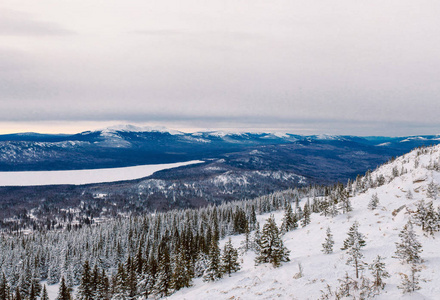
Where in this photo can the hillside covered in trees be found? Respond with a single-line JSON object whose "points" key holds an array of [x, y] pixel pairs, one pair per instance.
{"points": [[375, 234]]}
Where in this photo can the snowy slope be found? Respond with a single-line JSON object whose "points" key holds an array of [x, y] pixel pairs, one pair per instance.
{"points": [[381, 228]]}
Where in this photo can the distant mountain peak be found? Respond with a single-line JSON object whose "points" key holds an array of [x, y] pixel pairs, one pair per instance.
{"points": [[221, 133], [133, 128]]}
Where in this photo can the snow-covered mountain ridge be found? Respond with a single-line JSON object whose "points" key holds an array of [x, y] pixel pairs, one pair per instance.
{"points": [[400, 185], [129, 145]]}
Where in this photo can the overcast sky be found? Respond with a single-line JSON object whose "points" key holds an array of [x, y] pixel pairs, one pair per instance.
{"points": [[339, 67]]}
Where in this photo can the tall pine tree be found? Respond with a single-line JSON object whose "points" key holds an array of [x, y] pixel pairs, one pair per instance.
{"points": [[270, 247], [162, 285], [44, 295], [85, 289], [327, 246], [103, 286], [64, 291], [290, 220], [182, 273], [409, 248], [4, 288], [213, 271], [379, 273], [229, 259], [306, 215], [120, 290], [353, 244], [374, 202]]}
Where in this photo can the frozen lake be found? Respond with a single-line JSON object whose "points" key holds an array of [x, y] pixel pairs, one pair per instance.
{"points": [[84, 176]]}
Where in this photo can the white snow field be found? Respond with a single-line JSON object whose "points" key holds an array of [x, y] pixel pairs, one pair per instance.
{"points": [[381, 228], [84, 176]]}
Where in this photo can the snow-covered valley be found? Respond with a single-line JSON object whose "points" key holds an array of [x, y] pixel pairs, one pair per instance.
{"points": [[34, 178]]}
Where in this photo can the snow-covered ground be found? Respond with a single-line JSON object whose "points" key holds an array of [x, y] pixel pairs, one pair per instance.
{"points": [[84, 176], [381, 228]]}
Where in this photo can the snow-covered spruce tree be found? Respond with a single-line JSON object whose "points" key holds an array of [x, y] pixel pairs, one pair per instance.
{"points": [[102, 287], [270, 245], [64, 291], [420, 214], [182, 273], [432, 191], [333, 210], [316, 205], [214, 271], [201, 264], [324, 207], [306, 215], [36, 281], [18, 295], [427, 217], [53, 272], [344, 202], [354, 234], [409, 248], [409, 195], [85, 289], [410, 283], [33, 293], [245, 245], [138, 259], [355, 257], [380, 180], [353, 244], [395, 172], [131, 280], [379, 273], [229, 259], [327, 246], [240, 221], [148, 279], [94, 279], [44, 295], [119, 284], [374, 202], [298, 211], [162, 285], [290, 220], [252, 218], [358, 184], [67, 269], [25, 280], [432, 221], [256, 237], [4, 287]]}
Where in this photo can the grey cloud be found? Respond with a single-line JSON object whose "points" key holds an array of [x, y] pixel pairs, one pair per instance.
{"points": [[300, 125], [38, 111], [209, 34], [159, 32], [13, 61], [286, 65], [14, 23]]}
